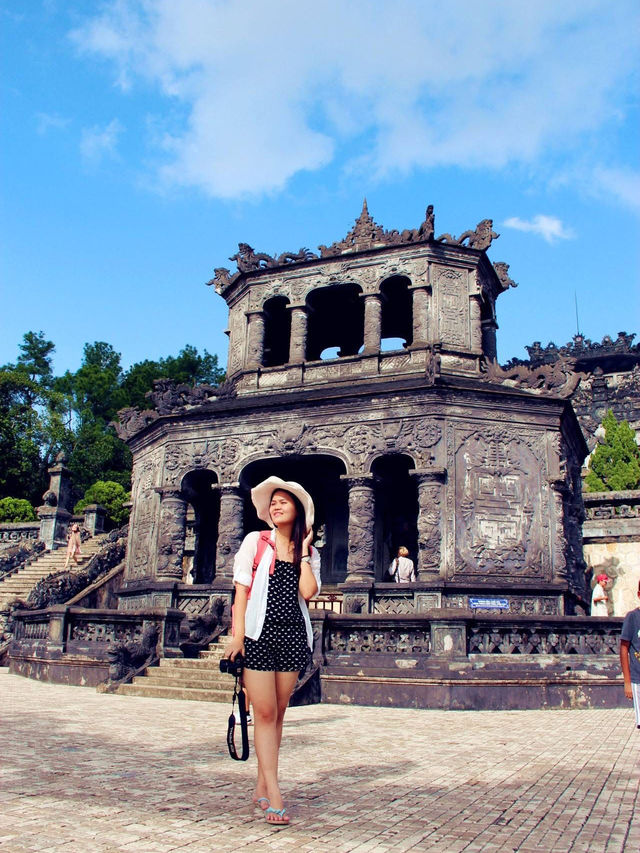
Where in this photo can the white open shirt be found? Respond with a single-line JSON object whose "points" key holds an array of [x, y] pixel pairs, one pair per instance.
{"points": [[257, 604]]}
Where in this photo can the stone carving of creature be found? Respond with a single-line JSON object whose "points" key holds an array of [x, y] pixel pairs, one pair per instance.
{"points": [[502, 271], [222, 279], [481, 238], [248, 260], [426, 230], [49, 498], [293, 257], [127, 656], [291, 439], [132, 420]]}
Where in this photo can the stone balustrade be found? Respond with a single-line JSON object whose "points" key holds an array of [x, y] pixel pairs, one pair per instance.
{"points": [[72, 645], [15, 533]]}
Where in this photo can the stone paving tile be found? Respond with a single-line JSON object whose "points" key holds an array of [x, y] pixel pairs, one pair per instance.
{"points": [[83, 771]]}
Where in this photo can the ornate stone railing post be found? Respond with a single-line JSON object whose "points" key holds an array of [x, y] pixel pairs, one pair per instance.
{"points": [[372, 323], [94, 516], [360, 567], [420, 306], [255, 339], [173, 514], [230, 531], [298, 340], [430, 501]]}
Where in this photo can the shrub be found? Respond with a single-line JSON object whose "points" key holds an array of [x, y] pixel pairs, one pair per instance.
{"points": [[16, 509], [112, 496]]}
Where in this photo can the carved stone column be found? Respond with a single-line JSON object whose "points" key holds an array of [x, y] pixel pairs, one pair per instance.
{"points": [[173, 514], [489, 347], [298, 340], [560, 490], [360, 567], [372, 323], [255, 339], [230, 531], [430, 502], [420, 307]]}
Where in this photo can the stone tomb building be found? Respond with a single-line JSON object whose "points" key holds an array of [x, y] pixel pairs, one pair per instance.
{"points": [[368, 373]]}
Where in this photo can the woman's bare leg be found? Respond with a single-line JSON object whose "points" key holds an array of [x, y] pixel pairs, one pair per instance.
{"points": [[270, 693]]}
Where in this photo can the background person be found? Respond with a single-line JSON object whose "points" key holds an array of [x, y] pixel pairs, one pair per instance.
{"points": [[401, 569], [73, 545], [272, 628], [599, 597]]}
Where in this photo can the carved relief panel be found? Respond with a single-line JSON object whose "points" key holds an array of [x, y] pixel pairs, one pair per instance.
{"points": [[237, 337], [501, 521], [451, 294], [142, 529]]}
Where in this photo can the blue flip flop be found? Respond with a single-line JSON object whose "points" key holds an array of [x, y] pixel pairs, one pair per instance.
{"points": [[278, 824]]}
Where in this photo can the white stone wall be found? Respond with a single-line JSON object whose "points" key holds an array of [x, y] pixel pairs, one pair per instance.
{"points": [[623, 559]]}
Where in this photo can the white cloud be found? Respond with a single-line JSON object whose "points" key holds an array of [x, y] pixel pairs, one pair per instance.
{"points": [[275, 88], [98, 143], [620, 183], [550, 228], [47, 122]]}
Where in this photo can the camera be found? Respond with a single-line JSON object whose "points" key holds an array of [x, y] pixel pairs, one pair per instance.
{"points": [[232, 667]]}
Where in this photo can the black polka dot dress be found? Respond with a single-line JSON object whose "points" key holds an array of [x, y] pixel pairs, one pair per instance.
{"points": [[282, 644]]}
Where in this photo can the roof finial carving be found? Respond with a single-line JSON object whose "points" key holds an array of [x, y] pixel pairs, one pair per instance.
{"points": [[366, 234]]}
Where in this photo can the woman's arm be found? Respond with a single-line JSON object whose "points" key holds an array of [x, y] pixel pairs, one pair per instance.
{"points": [[308, 585], [239, 610]]}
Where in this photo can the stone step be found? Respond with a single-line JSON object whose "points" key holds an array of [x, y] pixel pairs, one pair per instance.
{"points": [[213, 654], [161, 692], [208, 665], [187, 678]]}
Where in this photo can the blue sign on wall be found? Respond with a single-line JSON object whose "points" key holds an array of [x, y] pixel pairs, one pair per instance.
{"points": [[489, 603]]}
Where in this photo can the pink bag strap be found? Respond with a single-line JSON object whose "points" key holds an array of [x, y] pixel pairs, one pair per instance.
{"points": [[263, 540]]}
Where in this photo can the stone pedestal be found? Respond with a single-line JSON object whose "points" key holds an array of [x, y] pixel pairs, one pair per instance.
{"points": [[54, 522], [94, 516]]}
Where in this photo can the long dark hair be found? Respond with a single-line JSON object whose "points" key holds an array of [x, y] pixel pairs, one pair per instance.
{"points": [[299, 529]]}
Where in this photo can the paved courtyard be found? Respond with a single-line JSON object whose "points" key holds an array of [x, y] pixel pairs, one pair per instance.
{"points": [[82, 771]]}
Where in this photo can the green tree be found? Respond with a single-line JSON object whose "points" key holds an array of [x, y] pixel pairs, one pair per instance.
{"points": [[112, 496], [31, 429], [16, 509], [614, 465]]}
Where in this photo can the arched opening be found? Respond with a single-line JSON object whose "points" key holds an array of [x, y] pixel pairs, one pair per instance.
{"points": [[320, 476], [336, 319], [396, 510], [277, 331], [397, 313], [203, 512]]}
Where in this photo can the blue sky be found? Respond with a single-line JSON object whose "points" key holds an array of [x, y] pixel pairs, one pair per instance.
{"points": [[143, 139]]}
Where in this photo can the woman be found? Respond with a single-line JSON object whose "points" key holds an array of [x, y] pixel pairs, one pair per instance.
{"points": [[272, 628], [401, 569], [73, 545]]}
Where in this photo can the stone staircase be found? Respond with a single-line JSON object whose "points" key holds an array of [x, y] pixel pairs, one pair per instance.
{"points": [[20, 583], [185, 678]]}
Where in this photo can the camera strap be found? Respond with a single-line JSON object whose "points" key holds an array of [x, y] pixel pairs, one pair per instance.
{"points": [[238, 694]]}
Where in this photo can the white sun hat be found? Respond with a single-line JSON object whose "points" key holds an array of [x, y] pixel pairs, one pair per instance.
{"points": [[261, 497]]}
